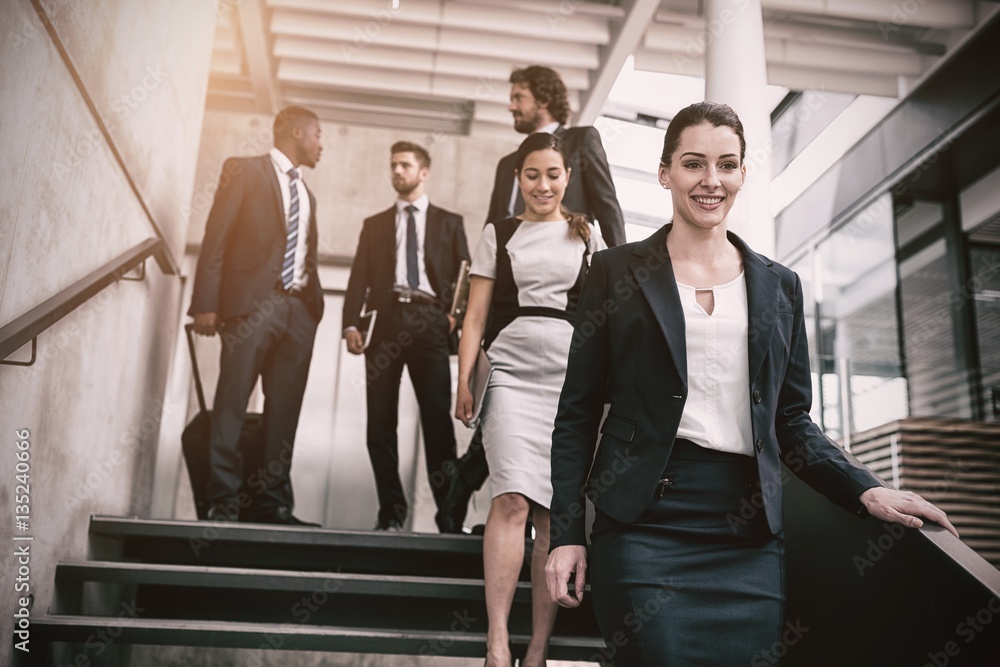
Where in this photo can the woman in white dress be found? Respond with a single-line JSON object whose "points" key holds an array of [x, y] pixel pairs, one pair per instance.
{"points": [[529, 270]]}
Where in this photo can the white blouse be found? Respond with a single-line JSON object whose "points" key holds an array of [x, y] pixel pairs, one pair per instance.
{"points": [[717, 412]]}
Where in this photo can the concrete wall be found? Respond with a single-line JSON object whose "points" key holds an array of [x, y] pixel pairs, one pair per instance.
{"points": [[93, 402]]}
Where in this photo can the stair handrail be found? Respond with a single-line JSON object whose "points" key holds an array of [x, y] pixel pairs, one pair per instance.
{"points": [[26, 328]]}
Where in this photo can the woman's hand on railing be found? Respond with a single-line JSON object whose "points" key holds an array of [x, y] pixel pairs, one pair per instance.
{"points": [[206, 324], [903, 507]]}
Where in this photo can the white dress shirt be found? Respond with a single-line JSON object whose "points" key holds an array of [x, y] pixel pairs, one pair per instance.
{"points": [[717, 412], [420, 217], [281, 165]]}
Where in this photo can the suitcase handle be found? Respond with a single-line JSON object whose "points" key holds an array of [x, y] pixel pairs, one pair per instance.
{"points": [[188, 329]]}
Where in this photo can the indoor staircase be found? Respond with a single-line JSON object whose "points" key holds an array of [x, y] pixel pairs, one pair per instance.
{"points": [[859, 593], [255, 586]]}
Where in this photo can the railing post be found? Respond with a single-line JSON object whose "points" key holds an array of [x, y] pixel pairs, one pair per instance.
{"points": [[846, 418]]}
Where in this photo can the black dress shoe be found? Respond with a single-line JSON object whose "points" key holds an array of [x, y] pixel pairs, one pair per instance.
{"points": [[456, 503], [224, 512], [281, 516], [390, 526]]}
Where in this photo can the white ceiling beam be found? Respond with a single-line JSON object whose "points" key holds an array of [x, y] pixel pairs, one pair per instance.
{"points": [[489, 112], [579, 7], [350, 37], [397, 82], [302, 48], [668, 33], [253, 28], [852, 83], [486, 130], [683, 44], [948, 14], [789, 76], [825, 57], [627, 35], [558, 25]]}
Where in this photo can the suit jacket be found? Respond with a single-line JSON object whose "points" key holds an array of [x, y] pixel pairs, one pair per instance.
{"points": [[373, 272], [244, 246], [629, 338], [590, 190]]}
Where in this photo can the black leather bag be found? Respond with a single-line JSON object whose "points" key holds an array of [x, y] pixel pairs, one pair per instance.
{"points": [[195, 444]]}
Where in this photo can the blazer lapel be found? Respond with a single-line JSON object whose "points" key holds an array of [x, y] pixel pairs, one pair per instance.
{"points": [[387, 229], [432, 234], [763, 292], [275, 189], [654, 274]]}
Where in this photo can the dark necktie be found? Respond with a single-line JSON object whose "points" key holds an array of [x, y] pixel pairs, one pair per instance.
{"points": [[412, 270], [292, 236]]}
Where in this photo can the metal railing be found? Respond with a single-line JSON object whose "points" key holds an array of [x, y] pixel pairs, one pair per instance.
{"points": [[26, 328]]}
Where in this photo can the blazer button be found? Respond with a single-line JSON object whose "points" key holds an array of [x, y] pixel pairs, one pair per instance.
{"points": [[756, 396], [759, 444]]}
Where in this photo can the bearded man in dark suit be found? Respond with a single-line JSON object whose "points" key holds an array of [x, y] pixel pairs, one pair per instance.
{"points": [[256, 284], [407, 260]]}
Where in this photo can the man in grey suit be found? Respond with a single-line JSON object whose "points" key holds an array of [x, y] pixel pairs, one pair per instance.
{"points": [[256, 285], [538, 103]]}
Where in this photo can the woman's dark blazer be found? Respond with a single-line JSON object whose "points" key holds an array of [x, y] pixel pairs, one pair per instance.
{"points": [[629, 340]]}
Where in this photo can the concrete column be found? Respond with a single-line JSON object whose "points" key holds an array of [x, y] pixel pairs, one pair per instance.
{"points": [[736, 74]]}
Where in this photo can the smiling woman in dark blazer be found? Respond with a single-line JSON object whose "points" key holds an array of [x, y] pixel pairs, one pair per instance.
{"points": [[701, 344]]}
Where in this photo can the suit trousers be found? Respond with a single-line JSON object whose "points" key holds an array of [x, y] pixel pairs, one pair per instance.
{"points": [[274, 342], [417, 338]]}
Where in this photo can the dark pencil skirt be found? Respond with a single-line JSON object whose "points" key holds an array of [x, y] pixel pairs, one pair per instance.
{"points": [[698, 579]]}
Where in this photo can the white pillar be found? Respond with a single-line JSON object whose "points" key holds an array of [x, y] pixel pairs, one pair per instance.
{"points": [[736, 74]]}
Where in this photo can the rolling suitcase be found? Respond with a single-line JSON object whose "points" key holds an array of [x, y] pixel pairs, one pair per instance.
{"points": [[195, 443]]}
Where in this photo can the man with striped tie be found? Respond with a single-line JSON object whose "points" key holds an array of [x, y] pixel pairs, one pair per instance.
{"points": [[256, 284], [405, 267]]}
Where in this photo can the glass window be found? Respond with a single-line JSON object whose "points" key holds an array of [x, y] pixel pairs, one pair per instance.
{"points": [[858, 341], [985, 292], [932, 304]]}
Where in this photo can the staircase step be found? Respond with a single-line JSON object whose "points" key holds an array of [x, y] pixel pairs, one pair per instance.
{"points": [[293, 636], [277, 580], [295, 548]]}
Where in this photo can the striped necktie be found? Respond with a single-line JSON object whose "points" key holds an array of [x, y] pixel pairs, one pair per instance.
{"points": [[292, 237]]}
